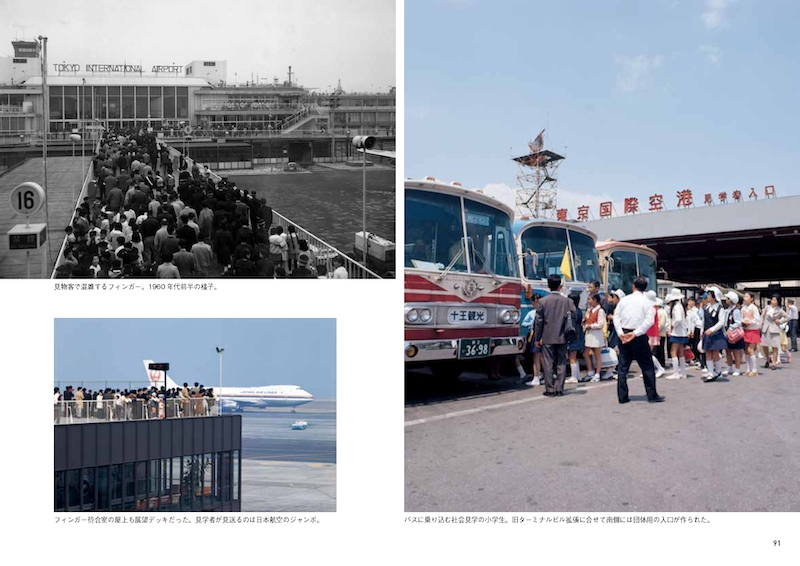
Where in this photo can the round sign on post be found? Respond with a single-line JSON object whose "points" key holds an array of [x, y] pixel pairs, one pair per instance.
{"points": [[27, 198]]}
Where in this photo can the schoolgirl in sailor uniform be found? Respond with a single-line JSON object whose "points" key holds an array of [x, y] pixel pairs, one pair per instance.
{"points": [[714, 340]]}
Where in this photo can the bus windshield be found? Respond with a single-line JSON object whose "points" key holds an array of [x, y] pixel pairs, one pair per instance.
{"points": [[585, 253], [545, 249], [434, 231], [491, 241], [622, 271], [647, 268]]}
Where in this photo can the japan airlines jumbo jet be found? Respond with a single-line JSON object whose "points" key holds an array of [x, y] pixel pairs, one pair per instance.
{"points": [[236, 398]]}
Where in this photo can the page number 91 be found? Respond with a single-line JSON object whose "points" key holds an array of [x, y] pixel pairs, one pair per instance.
{"points": [[776, 543]]}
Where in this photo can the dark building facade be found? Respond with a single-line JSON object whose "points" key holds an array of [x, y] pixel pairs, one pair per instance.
{"points": [[189, 464]]}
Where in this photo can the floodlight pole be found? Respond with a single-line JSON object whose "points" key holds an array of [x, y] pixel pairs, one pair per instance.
{"points": [[219, 393]]}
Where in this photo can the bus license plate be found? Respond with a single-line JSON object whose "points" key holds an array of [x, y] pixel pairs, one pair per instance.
{"points": [[473, 347]]}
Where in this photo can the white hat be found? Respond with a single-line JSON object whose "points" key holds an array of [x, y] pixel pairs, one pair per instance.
{"points": [[659, 303], [619, 293], [717, 293], [674, 295], [651, 296], [734, 298]]}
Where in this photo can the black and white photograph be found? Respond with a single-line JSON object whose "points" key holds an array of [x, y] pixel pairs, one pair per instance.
{"points": [[254, 140]]}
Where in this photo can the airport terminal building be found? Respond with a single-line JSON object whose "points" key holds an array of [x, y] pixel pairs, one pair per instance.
{"points": [[191, 99], [160, 464]]}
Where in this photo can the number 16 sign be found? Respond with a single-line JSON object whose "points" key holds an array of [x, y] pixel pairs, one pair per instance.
{"points": [[27, 198]]}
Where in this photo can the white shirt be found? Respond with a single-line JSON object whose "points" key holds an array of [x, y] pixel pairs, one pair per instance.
{"points": [[751, 312], [340, 272], [634, 311], [680, 324], [792, 312]]}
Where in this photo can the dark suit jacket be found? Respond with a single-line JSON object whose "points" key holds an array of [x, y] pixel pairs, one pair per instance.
{"points": [[550, 315]]}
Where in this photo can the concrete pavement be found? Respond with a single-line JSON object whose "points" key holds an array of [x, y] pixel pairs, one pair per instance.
{"points": [[494, 446]]}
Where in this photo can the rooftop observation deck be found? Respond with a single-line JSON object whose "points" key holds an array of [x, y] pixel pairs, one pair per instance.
{"points": [[115, 410]]}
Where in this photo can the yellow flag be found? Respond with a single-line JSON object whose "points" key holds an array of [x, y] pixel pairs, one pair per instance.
{"points": [[565, 265]]}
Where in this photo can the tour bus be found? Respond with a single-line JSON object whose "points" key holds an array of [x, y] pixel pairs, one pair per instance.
{"points": [[622, 262], [462, 287], [552, 247]]}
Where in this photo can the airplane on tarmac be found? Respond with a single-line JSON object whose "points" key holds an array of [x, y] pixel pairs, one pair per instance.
{"points": [[236, 398]]}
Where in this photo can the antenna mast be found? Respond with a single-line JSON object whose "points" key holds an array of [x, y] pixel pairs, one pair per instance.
{"points": [[537, 193]]}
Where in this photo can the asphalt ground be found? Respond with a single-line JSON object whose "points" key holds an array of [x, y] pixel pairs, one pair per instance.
{"points": [[267, 434], [285, 470], [328, 203], [481, 446]]}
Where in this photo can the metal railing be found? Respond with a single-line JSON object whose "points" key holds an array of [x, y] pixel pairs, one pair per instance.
{"points": [[248, 133], [125, 409], [323, 251]]}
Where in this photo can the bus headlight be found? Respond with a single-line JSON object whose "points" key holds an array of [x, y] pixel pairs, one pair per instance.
{"points": [[418, 315], [411, 351], [509, 316]]}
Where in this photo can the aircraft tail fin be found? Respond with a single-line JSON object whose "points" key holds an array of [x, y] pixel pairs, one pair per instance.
{"points": [[156, 377]]}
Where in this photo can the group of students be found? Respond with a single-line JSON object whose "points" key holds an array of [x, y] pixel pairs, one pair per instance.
{"points": [[692, 332], [140, 404], [730, 324]]}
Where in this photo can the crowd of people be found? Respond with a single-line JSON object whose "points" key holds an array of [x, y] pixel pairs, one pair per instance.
{"points": [[150, 212], [140, 404], [720, 334]]}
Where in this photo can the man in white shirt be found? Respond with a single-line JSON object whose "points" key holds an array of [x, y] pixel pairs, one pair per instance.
{"points": [[793, 323], [632, 317]]}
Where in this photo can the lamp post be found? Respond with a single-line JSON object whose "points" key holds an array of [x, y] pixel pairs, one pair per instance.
{"points": [[364, 143], [219, 394], [45, 130]]}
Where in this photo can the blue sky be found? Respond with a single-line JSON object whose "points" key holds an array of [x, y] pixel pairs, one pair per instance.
{"points": [[257, 351], [641, 97]]}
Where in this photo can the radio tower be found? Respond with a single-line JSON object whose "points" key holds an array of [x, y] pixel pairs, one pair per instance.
{"points": [[537, 194]]}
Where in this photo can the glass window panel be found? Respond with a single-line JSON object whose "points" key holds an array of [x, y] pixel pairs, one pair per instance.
{"points": [[114, 108], [127, 107], [182, 91], [584, 253], [156, 101], [543, 248], [61, 491], [127, 91], [183, 107], [102, 489], [491, 241], [129, 481], [622, 270], [176, 483], [70, 103], [434, 230], [647, 268], [74, 489], [169, 104], [88, 488], [116, 487], [141, 105], [113, 91]]}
